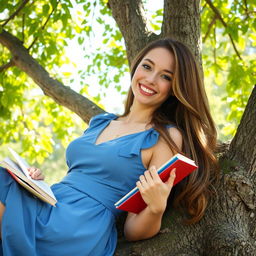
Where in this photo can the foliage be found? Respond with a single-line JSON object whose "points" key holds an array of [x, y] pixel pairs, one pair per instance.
{"points": [[228, 34], [107, 57], [27, 116]]}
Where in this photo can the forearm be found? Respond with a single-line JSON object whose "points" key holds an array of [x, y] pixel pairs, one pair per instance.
{"points": [[143, 225], [155, 193]]}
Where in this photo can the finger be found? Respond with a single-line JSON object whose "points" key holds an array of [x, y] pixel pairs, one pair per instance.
{"points": [[143, 181], [139, 186], [30, 169], [154, 173], [149, 178], [39, 174], [40, 177], [36, 174], [33, 173], [172, 177]]}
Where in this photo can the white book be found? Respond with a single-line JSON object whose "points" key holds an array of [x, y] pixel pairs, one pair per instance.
{"points": [[18, 169]]}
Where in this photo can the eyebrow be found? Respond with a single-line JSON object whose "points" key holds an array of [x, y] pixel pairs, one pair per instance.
{"points": [[152, 62]]}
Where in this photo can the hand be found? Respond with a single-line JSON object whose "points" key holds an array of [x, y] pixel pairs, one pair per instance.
{"points": [[35, 173], [154, 191]]}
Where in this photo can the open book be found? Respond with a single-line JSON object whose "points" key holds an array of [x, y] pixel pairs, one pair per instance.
{"points": [[133, 202], [18, 169]]}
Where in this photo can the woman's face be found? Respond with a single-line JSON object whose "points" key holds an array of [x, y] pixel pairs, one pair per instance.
{"points": [[152, 79]]}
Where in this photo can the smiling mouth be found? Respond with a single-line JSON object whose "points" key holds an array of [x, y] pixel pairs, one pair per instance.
{"points": [[146, 91]]}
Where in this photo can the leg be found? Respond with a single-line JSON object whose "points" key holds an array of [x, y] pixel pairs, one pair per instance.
{"points": [[2, 208]]}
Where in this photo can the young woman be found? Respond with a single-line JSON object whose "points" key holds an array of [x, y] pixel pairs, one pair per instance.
{"points": [[166, 112]]}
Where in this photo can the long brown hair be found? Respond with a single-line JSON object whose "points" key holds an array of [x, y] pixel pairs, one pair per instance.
{"points": [[188, 109]]}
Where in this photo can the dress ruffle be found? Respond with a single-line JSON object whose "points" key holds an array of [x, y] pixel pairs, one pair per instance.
{"points": [[100, 119], [133, 147]]}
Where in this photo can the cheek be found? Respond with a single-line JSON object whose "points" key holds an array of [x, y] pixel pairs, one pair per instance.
{"points": [[138, 74], [166, 89], [133, 84]]}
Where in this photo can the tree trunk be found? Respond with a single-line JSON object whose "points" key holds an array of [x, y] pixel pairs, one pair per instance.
{"points": [[131, 20], [182, 21], [243, 146]]}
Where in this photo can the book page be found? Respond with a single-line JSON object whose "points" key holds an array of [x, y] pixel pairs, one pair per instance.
{"points": [[21, 162], [185, 159], [14, 166], [44, 186]]}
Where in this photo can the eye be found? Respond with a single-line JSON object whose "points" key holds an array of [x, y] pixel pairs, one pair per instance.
{"points": [[168, 78], [146, 66]]}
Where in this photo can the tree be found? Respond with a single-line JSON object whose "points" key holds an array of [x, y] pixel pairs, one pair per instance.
{"points": [[229, 226]]}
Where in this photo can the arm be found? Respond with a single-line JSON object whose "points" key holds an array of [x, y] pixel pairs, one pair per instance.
{"points": [[154, 192]]}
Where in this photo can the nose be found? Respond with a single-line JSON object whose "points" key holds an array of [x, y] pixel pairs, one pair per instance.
{"points": [[151, 77]]}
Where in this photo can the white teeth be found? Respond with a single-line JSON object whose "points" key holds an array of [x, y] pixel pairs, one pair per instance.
{"points": [[146, 89]]}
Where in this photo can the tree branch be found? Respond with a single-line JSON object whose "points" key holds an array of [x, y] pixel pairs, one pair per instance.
{"points": [[16, 12], [61, 94], [210, 27], [23, 27], [217, 13], [131, 20], [214, 49], [7, 65]]}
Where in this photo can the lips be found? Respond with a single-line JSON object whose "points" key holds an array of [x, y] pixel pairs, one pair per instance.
{"points": [[145, 90]]}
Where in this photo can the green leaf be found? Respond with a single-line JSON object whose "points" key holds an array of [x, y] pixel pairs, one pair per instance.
{"points": [[46, 9], [80, 40]]}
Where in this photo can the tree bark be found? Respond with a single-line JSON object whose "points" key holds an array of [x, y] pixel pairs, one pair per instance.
{"points": [[132, 22], [182, 21], [243, 146]]}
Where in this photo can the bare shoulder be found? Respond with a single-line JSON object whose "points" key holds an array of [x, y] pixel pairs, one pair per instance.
{"points": [[176, 135], [162, 152]]}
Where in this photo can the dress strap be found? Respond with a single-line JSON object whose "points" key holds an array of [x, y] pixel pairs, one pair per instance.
{"points": [[146, 140], [100, 119]]}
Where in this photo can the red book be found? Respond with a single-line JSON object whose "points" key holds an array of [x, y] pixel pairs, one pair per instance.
{"points": [[133, 202]]}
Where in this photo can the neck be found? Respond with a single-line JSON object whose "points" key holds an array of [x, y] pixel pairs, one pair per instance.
{"points": [[139, 114]]}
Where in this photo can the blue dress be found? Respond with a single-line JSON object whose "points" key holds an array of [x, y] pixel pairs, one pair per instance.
{"points": [[83, 221]]}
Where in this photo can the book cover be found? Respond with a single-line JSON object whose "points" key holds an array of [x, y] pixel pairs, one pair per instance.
{"points": [[133, 202], [19, 171]]}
